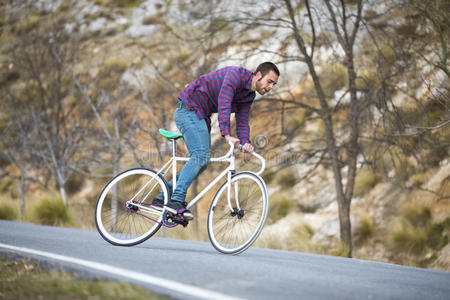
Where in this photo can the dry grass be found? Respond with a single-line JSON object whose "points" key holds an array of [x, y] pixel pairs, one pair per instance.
{"points": [[365, 230], [8, 211], [366, 180], [407, 239], [26, 280], [416, 238], [339, 249], [51, 211], [287, 179], [291, 234], [280, 207]]}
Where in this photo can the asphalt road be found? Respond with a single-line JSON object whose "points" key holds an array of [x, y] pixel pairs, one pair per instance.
{"points": [[194, 270]]}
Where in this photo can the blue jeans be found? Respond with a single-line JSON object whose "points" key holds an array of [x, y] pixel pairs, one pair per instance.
{"points": [[198, 142]]}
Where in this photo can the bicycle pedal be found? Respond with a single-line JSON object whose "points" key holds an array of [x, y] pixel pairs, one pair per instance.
{"points": [[180, 220], [168, 219]]}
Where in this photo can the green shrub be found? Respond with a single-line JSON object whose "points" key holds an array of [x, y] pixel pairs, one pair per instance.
{"points": [[28, 24], [268, 175], [417, 180], [279, 208], [404, 169], [127, 3], [367, 79], [7, 212], [334, 78], [8, 76], [110, 74], [51, 212], [408, 239], [6, 185], [182, 56], [339, 249], [114, 66], [396, 160], [416, 215], [365, 230], [101, 2], [284, 207], [74, 184], [300, 239], [287, 180], [438, 234], [303, 230], [365, 181], [416, 232]]}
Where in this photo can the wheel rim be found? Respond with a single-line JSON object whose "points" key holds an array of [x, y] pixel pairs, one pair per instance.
{"points": [[132, 220], [232, 232]]}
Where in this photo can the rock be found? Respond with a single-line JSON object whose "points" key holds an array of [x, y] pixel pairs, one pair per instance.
{"points": [[137, 31], [97, 24]]}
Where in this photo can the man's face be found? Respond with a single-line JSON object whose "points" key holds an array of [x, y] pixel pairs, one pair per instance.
{"points": [[265, 83]]}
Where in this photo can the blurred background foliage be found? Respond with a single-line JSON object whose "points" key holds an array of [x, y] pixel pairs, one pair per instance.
{"points": [[85, 86]]}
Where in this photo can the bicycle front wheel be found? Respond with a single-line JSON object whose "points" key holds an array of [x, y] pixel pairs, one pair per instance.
{"points": [[124, 215], [235, 221]]}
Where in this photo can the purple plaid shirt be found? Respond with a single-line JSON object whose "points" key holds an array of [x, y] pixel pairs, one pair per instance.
{"points": [[224, 91]]}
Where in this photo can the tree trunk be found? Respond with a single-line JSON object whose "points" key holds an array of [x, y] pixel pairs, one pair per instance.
{"points": [[115, 192], [345, 226], [22, 193], [325, 115], [62, 191], [352, 152]]}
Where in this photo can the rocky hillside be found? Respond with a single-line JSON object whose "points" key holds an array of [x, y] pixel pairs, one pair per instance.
{"points": [[142, 53]]}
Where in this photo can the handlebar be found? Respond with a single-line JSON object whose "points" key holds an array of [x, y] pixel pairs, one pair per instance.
{"points": [[263, 161]]}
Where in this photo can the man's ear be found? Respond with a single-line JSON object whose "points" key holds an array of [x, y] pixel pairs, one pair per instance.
{"points": [[258, 75]]}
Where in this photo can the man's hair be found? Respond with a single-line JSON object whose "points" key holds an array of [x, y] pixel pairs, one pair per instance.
{"points": [[266, 67]]}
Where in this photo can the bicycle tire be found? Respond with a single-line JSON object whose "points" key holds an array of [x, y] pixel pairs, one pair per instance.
{"points": [[126, 224], [228, 232]]}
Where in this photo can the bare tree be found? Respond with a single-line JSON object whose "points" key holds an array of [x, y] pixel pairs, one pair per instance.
{"points": [[16, 142], [59, 129], [344, 27], [411, 93], [346, 20]]}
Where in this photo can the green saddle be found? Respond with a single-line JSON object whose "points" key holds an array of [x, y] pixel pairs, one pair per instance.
{"points": [[170, 135]]}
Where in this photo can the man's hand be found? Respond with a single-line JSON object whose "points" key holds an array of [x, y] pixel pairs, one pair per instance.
{"points": [[233, 140], [247, 148]]}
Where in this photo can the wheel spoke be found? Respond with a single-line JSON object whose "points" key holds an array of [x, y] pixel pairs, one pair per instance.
{"points": [[120, 224], [232, 234]]}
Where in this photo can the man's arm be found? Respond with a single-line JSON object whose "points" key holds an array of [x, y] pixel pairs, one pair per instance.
{"points": [[226, 94], [242, 126]]}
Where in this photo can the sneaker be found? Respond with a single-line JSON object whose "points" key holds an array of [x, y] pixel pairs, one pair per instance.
{"points": [[178, 207], [158, 202]]}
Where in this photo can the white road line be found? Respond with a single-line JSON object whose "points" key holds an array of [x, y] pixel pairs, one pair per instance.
{"points": [[165, 283]]}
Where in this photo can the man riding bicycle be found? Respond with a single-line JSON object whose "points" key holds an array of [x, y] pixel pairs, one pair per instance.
{"points": [[224, 91]]}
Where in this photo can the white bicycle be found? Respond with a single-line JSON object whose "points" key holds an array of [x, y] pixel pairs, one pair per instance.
{"points": [[125, 215]]}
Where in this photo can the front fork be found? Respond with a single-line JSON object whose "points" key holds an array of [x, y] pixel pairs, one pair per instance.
{"points": [[237, 208]]}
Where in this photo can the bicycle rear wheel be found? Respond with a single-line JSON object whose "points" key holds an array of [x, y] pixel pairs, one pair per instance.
{"points": [[124, 215], [232, 229]]}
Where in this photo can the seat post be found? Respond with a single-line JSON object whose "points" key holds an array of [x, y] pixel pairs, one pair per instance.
{"points": [[174, 147], [174, 165]]}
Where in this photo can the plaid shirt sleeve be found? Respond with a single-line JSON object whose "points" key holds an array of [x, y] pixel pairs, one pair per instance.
{"points": [[242, 127], [230, 82]]}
